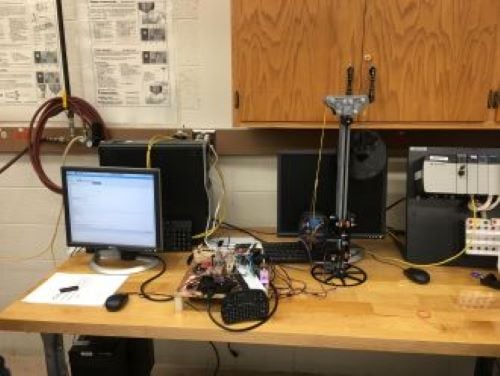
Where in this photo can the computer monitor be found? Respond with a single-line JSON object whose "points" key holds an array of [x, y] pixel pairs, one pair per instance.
{"points": [[366, 199], [113, 208]]}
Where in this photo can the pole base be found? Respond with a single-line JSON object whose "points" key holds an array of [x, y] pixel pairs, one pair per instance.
{"points": [[330, 275]]}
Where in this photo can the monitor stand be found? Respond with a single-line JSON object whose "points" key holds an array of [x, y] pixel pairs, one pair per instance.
{"points": [[115, 262]]}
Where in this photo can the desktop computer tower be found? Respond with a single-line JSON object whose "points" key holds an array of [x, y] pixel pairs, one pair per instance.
{"points": [[111, 356], [184, 178]]}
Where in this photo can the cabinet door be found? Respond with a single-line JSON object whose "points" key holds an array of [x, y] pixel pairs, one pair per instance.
{"points": [[289, 54], [496, 82], [435, 59]]}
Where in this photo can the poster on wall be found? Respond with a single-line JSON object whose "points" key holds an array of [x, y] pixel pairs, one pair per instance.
{"points": [[30, 60], [129, 51]]}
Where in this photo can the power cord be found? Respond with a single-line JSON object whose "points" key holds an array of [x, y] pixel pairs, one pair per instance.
{"points": [[217, 358], [155, 297], [395, 203], [14, 160], [247, 328], [232, 351]]}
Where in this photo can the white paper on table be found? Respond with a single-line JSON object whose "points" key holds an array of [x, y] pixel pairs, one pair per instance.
{"points": [[93, 289]]}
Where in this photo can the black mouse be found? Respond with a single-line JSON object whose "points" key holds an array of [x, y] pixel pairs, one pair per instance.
{"points": [[416, 275], [116, 302]]}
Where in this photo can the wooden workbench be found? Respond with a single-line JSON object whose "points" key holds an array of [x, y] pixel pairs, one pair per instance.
{"points": [[452, 315]]}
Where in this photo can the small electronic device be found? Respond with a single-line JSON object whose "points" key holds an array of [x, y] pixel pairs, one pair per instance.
{"points": [[184, 180], [116, 302], [245, 305], [116, 211]]}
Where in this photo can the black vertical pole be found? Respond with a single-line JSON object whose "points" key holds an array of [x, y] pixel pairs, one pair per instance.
{"points": [[64, 57]]}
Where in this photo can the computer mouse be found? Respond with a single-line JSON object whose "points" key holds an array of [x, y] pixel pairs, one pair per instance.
{"points": [[416, 275], [116, 302]]}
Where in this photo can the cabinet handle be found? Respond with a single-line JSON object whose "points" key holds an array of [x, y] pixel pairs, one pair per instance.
{"points": [[493, 98], [349, 80], [372, 73], [236, 99]]}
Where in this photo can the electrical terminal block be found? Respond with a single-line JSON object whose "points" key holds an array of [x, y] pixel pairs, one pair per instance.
{"points": [[482, 236]]}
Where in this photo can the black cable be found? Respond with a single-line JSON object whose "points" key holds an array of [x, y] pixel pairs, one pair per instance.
{"points": [[376, 258], [396, 240], [396, 231], [232, 351], [234, 227], [247, 328], [154, 297], [14, 160], [217, 358], [395, 203]]}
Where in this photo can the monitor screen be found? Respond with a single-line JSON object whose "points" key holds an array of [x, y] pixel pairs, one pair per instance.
{"points": [[296, 175], [112, 207]]}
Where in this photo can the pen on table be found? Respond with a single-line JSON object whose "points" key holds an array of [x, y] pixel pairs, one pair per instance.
{"points": [[68, 289]]}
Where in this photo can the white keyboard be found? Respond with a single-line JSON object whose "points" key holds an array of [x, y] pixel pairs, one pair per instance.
{"points": [[482, 236]]}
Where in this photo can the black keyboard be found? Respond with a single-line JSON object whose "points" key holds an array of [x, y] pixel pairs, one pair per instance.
{"points": [[245, 305], [286, 252]]}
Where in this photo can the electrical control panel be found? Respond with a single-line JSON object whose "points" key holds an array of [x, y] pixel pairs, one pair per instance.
{"points": [[461, 174], [482, 236], [440, 182]]}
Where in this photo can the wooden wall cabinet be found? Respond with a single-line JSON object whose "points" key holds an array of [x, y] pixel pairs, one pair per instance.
{"points": [[435, 60], [288, 53]]}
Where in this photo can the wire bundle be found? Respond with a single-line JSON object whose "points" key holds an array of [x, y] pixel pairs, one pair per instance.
{"points": [[48, 110]]}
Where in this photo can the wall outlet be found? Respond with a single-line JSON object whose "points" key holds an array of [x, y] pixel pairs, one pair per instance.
{"points": [[200, 134]]}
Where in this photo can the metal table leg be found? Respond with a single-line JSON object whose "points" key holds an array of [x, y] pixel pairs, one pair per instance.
{"points": [[54, 354], [484, 366]]}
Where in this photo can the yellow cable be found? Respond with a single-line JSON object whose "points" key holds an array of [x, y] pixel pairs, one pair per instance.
{"points": [[318, 165], [222, 211], [152, 141], [64, 97]]}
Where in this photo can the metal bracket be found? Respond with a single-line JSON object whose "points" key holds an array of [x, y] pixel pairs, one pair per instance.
{"points": [[347, 105]]}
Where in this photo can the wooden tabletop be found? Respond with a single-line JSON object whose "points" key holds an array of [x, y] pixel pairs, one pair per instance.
{"points": [[451, 315]]}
